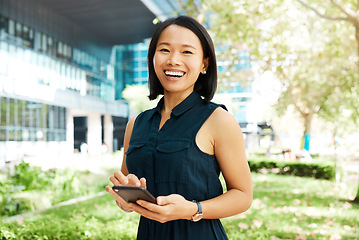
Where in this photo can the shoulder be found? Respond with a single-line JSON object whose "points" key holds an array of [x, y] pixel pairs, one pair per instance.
{"points": [[131, 123], [221, 116], [222, 123], [140, 118]]}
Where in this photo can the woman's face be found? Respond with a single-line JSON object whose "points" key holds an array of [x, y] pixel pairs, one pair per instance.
{"points": [[178, 59]]}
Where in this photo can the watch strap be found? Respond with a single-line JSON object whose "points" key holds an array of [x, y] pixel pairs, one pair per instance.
{"points": [[199, 206]]}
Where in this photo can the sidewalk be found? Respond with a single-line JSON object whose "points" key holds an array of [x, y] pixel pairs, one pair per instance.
{"points": [[78, 161]]}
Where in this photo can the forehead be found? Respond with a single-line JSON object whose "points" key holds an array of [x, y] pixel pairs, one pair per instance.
{"points": [[178, 35]]}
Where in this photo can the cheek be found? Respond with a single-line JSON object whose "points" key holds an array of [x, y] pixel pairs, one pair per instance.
{"points": [[157, 60]]}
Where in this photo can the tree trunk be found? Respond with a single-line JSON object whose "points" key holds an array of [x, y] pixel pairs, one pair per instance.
{"points": [[356, 199], [308, 117], [356, 25]]}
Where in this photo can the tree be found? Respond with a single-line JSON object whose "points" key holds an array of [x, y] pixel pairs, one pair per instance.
{"points": [[309, 55], [334, 10], [137, 96]]}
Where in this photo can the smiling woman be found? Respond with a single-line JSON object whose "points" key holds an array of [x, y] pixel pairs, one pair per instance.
{"points": [[179, 59], [177, 149]]}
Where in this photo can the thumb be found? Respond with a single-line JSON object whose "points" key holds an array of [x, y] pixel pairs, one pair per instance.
{"points": [[164, 200]]}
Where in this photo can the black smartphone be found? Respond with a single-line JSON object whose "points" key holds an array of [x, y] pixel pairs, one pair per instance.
{"points": [[132, 193]]}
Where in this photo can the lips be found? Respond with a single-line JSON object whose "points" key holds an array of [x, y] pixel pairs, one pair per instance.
{"points": [[177, 74]]}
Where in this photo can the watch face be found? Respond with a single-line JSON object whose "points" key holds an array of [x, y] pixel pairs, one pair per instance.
{"points": [[197, 217]]}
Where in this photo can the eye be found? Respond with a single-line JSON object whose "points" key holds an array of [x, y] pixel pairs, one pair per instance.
{"points": [[164, 50], [187, 52]]}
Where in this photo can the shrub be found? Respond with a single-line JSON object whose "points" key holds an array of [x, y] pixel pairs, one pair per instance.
{"points": [[315, 169], [31, 188]]}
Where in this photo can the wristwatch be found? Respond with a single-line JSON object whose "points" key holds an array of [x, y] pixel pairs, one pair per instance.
{"points": [[198, 216]]}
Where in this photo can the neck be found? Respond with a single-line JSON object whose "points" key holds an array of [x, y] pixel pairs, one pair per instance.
{"points": [[171, 100]]}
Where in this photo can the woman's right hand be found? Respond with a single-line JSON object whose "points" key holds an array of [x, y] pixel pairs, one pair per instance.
{"points": [[120, 179]]}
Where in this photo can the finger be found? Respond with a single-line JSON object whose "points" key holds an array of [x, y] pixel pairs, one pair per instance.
{"points": [[114, 181], [143, 182], [133, 180], [123, 207], [152, 214], [116, 196], [121, 178], [149, 206]]}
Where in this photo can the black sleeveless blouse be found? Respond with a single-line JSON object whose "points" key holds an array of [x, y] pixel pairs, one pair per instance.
{"points": [[171, 162]]}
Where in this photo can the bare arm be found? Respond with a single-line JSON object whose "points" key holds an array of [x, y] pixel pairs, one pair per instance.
{"points": [[126, 142], [230, 153]]}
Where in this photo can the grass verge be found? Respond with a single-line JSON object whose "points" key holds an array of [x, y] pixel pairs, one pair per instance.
{"points": [[284, 207]]}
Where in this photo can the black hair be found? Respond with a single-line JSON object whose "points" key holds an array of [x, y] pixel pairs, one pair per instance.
{"points": [[206, 84]]}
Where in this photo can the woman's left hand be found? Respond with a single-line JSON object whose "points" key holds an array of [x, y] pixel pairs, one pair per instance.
{"points": [[168, 208]]}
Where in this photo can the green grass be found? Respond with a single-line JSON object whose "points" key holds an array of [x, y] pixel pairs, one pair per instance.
{"points": [[284, 207]]}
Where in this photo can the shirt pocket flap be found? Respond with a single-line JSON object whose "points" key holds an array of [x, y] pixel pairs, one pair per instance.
{"points": [[170, 147], [134, 146]]}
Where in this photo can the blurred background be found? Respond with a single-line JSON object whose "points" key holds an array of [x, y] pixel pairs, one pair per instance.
{"points": [[73, 72]]}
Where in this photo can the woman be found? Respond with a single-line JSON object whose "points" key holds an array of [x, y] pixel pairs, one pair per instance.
{"points": [[178, 149]]}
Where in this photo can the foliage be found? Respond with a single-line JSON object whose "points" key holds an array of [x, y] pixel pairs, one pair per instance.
{"points": [[316, 169], [137, 96], [284, 207], [29, 177], [312, 57], [31, 188], [25, 178]]}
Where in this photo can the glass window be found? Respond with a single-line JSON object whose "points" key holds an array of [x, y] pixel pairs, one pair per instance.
{"points": [[18, 32], [44, 114], [69, 52], [3, 59], [3, 111], [2, 135], [68, 76], [44, 43], [11, 27], [37, 41], [11, 111], [17, 113], [73, 78], [4, 24], [57, 77], [27, 115], [63, 76], [21, 112], [59, 48], [17, 135], [144, 74]]}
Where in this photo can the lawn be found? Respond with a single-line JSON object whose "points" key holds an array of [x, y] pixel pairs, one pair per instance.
{"points": [[284, 207]]}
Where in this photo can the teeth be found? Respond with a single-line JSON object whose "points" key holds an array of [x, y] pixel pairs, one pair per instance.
{"points": [[176, 74]]}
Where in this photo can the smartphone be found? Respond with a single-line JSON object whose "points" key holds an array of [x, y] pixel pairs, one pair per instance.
{"points": [[132, 193]]}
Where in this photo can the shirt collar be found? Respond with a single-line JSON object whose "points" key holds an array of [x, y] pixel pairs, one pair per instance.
{"points": [[192, 100]]}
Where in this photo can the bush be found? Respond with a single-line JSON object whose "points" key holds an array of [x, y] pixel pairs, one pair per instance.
{"points": [[315, 169], [31, 188]]}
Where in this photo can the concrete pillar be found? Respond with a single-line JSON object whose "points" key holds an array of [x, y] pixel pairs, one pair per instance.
{"points": [[108, 132], [94, 133], [70, 130]]}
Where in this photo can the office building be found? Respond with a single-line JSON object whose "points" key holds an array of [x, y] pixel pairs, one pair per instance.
{"points": [[60, 82]]}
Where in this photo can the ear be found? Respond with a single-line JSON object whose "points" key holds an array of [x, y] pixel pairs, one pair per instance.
{"points": [[205, 65]]}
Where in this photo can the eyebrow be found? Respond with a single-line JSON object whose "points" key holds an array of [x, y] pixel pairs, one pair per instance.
{"points": [[183, 45]]}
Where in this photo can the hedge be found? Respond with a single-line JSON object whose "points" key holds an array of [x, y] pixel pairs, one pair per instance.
{"points": [[315, 169]]}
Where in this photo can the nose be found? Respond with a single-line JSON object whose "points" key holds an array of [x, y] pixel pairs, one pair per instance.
{"points": [[174, 59]]}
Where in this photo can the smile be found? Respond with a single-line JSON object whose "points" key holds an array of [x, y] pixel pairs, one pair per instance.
{"points": [[174, 74]]}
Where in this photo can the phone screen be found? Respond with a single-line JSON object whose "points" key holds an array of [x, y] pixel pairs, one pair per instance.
{"points": [[132, 194]]}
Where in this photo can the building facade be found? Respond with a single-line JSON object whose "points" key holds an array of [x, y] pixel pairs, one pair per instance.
{"points": [[58, 87]]}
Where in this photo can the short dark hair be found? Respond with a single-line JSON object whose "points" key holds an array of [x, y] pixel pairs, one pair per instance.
{"points": [[206, 84]]}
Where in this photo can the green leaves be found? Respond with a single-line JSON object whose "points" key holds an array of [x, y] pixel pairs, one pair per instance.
{"points": [[311, 46]]}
